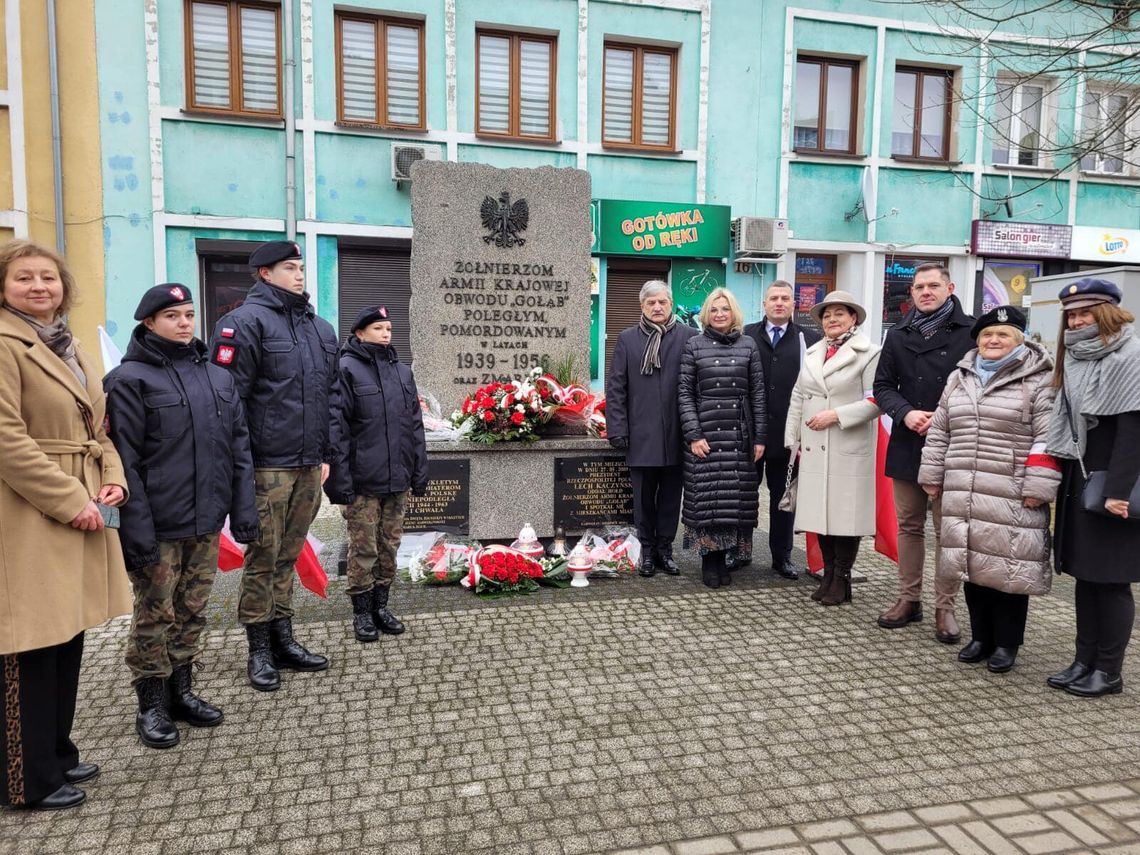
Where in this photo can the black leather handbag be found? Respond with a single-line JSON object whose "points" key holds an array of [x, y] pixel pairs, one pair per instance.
{"points": [[1092, 493]]}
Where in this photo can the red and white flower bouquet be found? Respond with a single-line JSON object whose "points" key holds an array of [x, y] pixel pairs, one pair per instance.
{"points": [[504, 411]]}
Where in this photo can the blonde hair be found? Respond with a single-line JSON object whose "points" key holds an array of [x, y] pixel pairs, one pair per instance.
{"points": [[733, 307], [1110, 319], [14, 250]]}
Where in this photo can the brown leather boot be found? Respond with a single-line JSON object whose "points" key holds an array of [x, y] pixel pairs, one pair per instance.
{"points": [[900, 614], [945, 627], [824, 583]]}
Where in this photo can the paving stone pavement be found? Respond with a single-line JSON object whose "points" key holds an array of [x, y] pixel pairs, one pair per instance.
{"points": [[651, 715]]}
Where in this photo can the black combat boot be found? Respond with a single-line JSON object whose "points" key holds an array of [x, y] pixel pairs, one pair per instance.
{"points": [[362, 623], [188, 707], [385, 621], [288, 653], [153, 723], [263, 674], [666, 563]]}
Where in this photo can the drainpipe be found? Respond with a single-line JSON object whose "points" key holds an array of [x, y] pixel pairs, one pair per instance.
{"points": [[290, 124], [56, 140]]}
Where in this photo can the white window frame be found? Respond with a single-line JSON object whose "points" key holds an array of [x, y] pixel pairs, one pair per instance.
{"points": [[1048, 111], [1131, 130]]}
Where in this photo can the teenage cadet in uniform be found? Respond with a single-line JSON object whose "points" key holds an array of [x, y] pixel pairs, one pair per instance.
{"points": [[283, 359], [378, 455], [180, 430]]}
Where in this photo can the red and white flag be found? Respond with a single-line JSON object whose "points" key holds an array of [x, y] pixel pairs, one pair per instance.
{"points": [[886, 521], [310, 573]]}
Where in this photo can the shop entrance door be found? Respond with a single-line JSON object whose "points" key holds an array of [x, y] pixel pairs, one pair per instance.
{"points": [[815, 279]]}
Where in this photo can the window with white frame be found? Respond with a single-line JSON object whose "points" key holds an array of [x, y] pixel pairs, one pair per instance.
{"points": [[1021, 116], [1106, 117]]}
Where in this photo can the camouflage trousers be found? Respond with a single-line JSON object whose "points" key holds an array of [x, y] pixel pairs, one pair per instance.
{"points": [[375, 526], [287, 504], [170, 605]]}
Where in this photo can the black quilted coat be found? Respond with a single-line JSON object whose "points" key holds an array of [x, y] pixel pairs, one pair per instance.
{"points": [[721, 398]]}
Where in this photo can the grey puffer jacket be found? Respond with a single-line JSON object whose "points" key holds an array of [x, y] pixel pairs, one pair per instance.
{"points": [[986, 450]]}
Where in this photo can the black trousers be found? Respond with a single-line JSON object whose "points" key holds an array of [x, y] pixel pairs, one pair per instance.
{"points": [[997, 618], [773, 468], [39, 689], [1105, 614], [656, 504], [839, 551]]}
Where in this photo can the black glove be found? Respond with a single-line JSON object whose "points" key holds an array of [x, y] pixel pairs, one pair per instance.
{"points": [[341, 498], [419, 490], [621, 443]]}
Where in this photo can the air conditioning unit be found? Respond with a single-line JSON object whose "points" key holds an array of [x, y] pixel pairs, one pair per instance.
{"points": [[403, 156], [758, 238]]}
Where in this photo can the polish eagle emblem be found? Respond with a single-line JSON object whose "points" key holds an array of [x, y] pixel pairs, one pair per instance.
{"points": [[504, 220]]}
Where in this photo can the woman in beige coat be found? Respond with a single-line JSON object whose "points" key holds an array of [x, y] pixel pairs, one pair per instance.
{"points": [[61, 569], [984, 455], [833, 422]]}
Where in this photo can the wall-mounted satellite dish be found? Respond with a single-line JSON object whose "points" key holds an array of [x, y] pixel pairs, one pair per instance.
{"points": [[866, 203]]}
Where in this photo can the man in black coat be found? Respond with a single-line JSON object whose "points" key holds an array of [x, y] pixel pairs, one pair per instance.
{"points": [[283, 360], [781, 344], [643, 420], [918, 356]]}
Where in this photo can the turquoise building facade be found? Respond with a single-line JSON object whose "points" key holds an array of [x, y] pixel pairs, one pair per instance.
{"points": [[188, 186]]}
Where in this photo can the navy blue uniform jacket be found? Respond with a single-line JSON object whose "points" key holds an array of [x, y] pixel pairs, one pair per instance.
{"points": [[378, 427], [179, 427], [283, 360]]}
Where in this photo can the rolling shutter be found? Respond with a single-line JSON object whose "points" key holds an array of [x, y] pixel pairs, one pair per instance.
{"points": [[370, 277], [624, 278]]}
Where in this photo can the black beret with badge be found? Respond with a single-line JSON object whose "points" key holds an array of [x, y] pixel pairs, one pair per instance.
{"points": [[369, 315], [1002, 316], [274, 251], [1088, 292], [162, 297]]}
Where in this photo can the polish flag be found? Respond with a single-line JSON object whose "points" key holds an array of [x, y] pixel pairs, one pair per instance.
{"points": [[886, 521], [311, 574]]}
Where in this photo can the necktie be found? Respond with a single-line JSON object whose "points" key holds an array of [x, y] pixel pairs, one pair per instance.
{"points": [[776, 333]]}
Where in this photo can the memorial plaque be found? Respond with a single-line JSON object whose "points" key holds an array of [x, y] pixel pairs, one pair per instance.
{"points": [[447, 505], [500, 274], [592, 492]]}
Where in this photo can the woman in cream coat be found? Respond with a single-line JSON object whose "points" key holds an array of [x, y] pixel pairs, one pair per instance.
{"points": [[833, 421], [61, 570]]}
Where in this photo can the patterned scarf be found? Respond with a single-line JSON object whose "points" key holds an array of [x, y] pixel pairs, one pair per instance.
{"points": [[833, 344], [59, 340], [1100, 380], [929, 324], [652, 357]]}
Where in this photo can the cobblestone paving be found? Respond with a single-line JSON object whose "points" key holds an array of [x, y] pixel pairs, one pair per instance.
{"points": [[1102, 819], [637, 714]]}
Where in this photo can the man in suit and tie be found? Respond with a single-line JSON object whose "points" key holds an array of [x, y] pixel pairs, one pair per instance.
{"points": [[781, 345]]}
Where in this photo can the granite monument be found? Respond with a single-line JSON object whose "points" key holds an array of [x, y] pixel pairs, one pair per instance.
{"points": [[500, 273]]}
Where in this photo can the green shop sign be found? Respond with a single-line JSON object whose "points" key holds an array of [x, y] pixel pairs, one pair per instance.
{"points": [[653, 228]]}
